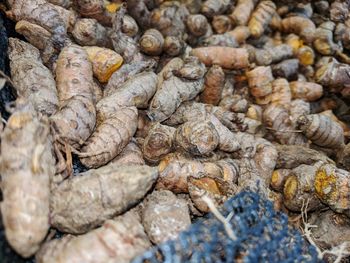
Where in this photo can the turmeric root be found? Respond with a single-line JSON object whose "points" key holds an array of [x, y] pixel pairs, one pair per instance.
{"points": [[110, 137], [321, 130], [137, 91], [152, 42], [197, 137], [174, 90], [221, 24], [286, 69], [301, 26], [240, 33], [197, 25], [31, 78], [101, 241], [299, 190], [333, 74], [267, 56], [281, 93], [164, 216], [88, 32], [332, 187], [40, 38], [306, 55], [260, 84], [242, 11], [131, 154], [190, 111], [99, 195], [297, 108], [276, 117], [278, 179], [175, 169], [323, 42], [76, 117], [261, 18], [170, 19], [211, 8], [158, 143], [127, 71], [225, 57], [201, 137], [104, 62], [27, 164], [95, 9], [307, 91], [141, 11], [63, 3], [332, 229], [217, 189], [173, 46], [213, 85], [130, 26], [123, 44]]}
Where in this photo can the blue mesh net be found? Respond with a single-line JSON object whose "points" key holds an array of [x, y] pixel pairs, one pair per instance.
{"points": [[263, 235]]}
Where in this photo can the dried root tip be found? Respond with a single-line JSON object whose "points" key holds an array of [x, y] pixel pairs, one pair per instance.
{"points": [[221, 24], [301, 26], [197, 25], [307, 91], [261, 18], [104, 62], [298, 189], [197, 137], [260, 84], [164, 216], [321, 130], [151, 42], [173, 46], [306, 55], [88, 32], [279, 178], [211, 8], [158, 143], [332, 187]]}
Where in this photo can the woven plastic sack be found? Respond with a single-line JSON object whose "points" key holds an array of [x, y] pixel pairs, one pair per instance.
{"points": [[262, 235]]}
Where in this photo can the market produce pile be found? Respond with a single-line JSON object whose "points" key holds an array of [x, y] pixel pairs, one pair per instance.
{"points": [[171, 108]]}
